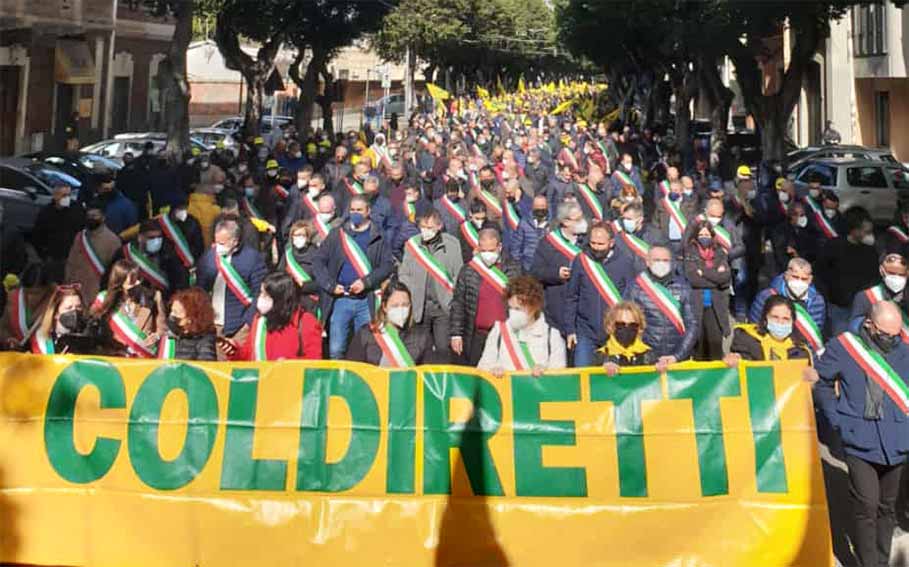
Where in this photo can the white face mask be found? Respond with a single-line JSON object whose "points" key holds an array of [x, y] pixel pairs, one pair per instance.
{"points": [[580, 227], [814, 193], [64, 201], [518, 318], [489, 258], [264, 304], [181, 215], [630, 225], [477, 222], [301, 183], [222, 250], [660, 268], [241, 168], [217, 188], [715, 220], [428, 234], [868, 240], [751, 194], [299, 241], [829, 213], [397, 316], [314, 192], [784, 197], [801, 222], [798, 287], [896, 284]]}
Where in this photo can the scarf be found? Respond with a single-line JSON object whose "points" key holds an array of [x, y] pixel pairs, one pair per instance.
{"points": [[614, 348], [707, 255], [874, 394]]}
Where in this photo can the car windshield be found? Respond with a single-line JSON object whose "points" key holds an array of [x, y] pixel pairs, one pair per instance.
{"points": [[53, 176]]}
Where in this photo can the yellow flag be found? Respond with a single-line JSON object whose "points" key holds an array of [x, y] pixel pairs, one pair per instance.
{"points": [[550, 88], [482, 93], [562, 107], [521, 87], [437, 93], [612, 116], [500, 89]]}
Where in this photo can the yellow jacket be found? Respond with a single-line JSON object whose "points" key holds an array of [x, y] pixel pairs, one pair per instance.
{"points": [[205, 209]]}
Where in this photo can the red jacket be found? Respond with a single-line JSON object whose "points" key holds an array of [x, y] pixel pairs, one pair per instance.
{"points": [[285, 343]]}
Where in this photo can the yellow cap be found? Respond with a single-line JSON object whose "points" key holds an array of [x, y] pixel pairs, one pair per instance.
{"points": [[779, 183], [258, 141], [271, 164], [196, 151], [311, 148], [743, 172], [10, 281], [582, 124]]}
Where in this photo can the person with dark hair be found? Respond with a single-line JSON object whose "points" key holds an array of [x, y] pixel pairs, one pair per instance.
{"points": [[190, 327], [131, 311], [452, 207], [56, 227], [890, 287], [92, 252], [896, 239], [297, 259], [847, 265], [156, 258], [280, 329], [119, 212], [25, 304], [392, 339], [477, 220], [773, 337], [230, 209], [524, 341], [187, 230], [708, 271], [63, 319]]}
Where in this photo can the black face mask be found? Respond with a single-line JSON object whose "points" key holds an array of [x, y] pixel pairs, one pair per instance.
{"points": [[173, 325], [884, 341], [599, 255], [488, 183], [540, 214], [626, 335], [72, 321]]}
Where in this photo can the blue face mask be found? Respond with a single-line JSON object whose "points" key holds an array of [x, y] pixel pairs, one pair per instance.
{"points": [[250, 191], [779, 331], [153, 246], [705, 241], [674, 196], [356, 219]]}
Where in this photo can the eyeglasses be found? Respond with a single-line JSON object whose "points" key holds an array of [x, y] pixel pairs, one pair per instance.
{"points": [[624, 325]]}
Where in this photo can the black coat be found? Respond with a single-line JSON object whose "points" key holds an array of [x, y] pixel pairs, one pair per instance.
{"points": [[546, 264], [55, 230], [467, 296], [416, 339], [709, 279], [200, 347]]}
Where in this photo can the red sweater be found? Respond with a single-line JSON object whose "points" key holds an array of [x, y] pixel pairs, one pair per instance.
{"points": [[284, 343]]}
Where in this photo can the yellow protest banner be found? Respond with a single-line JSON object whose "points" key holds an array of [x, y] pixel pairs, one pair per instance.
{"points": [[562, 107], [152, 463], [438, 93]]}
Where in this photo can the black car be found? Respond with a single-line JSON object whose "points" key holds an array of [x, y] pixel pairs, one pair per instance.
{"points": [[87, 168]]}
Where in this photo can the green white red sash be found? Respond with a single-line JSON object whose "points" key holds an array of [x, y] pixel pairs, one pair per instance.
{"points": [[562, 245], [167, 348], [251, 209], [592, 201], [322, 227], [454, 209], [128, 333], [294, 269], [820, 219], [490, 200], [393, 347], [429, 263], [94, 261], [899, 234], [148, 270], [617, 226], [260, 336], [41, 344], [511, 215], [808, 328], [877, 368], [470, 234], [355, 255], [410, 211], [518, 352], [173, 232], [663, 186], [601, 280], [567, 157], [280, 191], [19, 316], [665, 302], [355, 188], [674, 210], [876, 295], [491, 274], [624, 178], [310, 205], [233, 280], [99, 299]]}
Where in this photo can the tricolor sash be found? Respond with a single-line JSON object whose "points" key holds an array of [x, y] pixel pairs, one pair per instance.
{"points": [[518, 352], [19, 316], [591, 199], [808, 328], [176, 236], [562, 245], [128, 333], [355, 255], [511, 215], [355, 188], [899, 234], [491, 274], [260, 336], [310, 205], [877, 369], [41, 344], [567, 158], [99, 300], [820, 219], [88, 251], [722, 235], [148, 270], [601, 280], [624, 178], [429, 263], [233, 280], [490, 200], [322, 227], [167, 348], [454, 209], [675, 213], [876, 295], [393, 347], [470, 234], [665, 302], [663, 186], [251, 209], [280, 191], [294, 269]]}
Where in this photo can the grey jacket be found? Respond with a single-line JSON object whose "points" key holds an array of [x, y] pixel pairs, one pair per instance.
{"points": [[447, 250]]}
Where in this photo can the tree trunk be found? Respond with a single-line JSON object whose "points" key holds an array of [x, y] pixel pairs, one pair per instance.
{"points": [[719, 97], [308, 84], [175, 87], [255, 85], [684, 87], [325, 102], [772, 125]]}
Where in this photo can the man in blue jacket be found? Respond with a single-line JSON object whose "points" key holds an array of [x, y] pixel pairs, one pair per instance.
{"points": [[590, 295], [797, 284], [232, 274], [119, 212], [869, 413], [347, 283], [671, 331], [532, 229]]}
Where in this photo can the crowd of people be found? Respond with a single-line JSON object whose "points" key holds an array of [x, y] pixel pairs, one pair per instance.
{"points": [[515, 239]]}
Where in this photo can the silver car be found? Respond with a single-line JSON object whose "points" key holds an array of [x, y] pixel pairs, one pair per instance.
{"points": [[796, 159], [875, 185], [134, 144]]}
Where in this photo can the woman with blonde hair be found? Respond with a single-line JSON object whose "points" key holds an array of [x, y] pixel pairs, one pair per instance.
{"points": [[624, 325], [63, 317]]}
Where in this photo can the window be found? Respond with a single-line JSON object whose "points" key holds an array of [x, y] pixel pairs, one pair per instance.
{"points": [[882, 117], [827, 174], [12, 179], [900, 177], [869, 30], [866, 177]]}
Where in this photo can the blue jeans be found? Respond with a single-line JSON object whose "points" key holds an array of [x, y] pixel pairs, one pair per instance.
{"points": [[347, 312], [584, 351]]}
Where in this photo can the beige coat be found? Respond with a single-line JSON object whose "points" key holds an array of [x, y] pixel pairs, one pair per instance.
{"points": [[78, 270]]}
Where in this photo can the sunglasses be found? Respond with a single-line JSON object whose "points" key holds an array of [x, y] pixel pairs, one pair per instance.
{"points": [[624, 325]]}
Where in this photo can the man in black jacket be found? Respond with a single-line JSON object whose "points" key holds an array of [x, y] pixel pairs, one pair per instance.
{"points": [[56, 228]]}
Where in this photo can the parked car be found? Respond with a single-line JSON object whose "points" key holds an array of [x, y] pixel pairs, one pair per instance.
{"points": [[233, 124], [876, 185], [87, 168], [795, 159], [22, 194], [211, 137], [133, 143], [393, 104]]}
